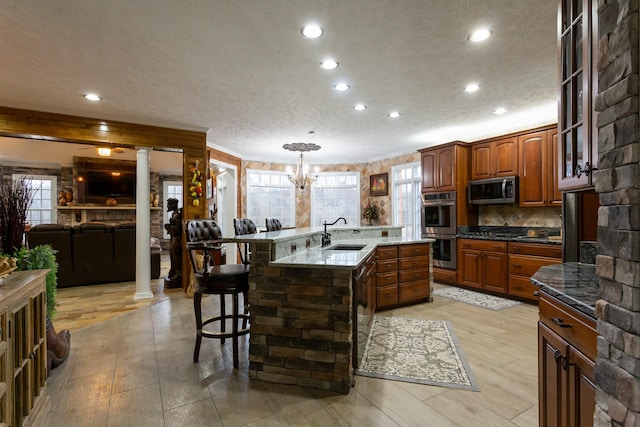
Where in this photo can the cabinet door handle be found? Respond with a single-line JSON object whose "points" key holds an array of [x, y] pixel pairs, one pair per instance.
{"points": [[557, 355], [560, 322], [466, 245], [516, 249], [536, 293], [516, 265]]}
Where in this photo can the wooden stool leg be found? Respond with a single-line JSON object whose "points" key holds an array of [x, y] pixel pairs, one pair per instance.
{"points": [[223, 322], [197, 307], [235, 329]]}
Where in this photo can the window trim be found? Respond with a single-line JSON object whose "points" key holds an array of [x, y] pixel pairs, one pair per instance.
{"points": [[270, 172], [54, 191], [394, 182], [312, 216]]}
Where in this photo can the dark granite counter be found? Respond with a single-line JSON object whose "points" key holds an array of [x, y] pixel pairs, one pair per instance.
{"points": [[511, 234], [573, 283]]}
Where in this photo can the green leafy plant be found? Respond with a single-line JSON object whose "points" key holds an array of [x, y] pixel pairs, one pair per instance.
{"points": [[370, 212], [38, 258]]}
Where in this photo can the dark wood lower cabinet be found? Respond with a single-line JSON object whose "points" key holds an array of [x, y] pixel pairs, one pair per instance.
{"points": [[402, 275], [483, 264], [566, 352]]}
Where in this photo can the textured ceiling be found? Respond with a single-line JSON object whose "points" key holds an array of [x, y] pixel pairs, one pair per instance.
{"points": [[240, 70]]}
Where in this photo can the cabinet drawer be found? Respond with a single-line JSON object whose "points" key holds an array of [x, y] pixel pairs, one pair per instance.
{"points": [[413, 274], [483, 245], [551, 251], [525, 265], [413, 291], [387, 265], [387, 296], [387, 278], [413, 250], [578, 329], [521, 287], [414, 262], [442, 275], [386, 252]]}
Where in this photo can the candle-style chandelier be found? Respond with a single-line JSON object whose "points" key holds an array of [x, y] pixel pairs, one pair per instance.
{"points": [[302, 177]]}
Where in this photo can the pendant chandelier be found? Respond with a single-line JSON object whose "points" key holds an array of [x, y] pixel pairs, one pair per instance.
{"points": [[302, 177]]}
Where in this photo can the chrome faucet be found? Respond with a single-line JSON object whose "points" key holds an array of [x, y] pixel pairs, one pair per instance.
{"points": [[326, 237]]}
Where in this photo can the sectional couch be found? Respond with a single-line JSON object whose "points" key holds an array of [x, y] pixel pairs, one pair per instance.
{"points": [[93, 253]]}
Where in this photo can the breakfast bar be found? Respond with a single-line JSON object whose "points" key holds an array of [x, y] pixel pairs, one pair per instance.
{"points": [[307, 300]]}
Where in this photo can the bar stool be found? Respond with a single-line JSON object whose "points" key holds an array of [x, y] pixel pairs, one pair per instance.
{"points": [[203, 237], [273, 224], [244, 226]]}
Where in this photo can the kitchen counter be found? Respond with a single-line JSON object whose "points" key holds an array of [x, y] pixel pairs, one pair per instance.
{"points": [[573, 283], [328, 257], [512, 234], [306, 301]]}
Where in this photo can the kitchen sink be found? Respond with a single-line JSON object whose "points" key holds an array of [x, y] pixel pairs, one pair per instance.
{"points": [[346, 247]]}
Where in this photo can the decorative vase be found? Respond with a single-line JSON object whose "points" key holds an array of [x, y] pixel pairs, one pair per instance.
{"points": [[68, 194]]}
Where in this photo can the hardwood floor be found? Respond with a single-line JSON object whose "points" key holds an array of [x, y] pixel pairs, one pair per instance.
{"points": [[82, 306], [136, 368]]}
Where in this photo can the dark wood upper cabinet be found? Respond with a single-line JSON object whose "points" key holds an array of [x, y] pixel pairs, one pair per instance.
{"points": [[538, 184], [495, 158], [577, 49]]}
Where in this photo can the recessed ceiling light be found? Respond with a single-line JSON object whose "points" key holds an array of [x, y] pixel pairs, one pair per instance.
{"points": [[359, 107], [472, 87], [480, 35], [500, 110], [93, 97], [393, 114], [312, 31], [341, 87], [329, 64]]}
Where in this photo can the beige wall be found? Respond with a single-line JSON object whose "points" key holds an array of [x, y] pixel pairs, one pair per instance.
{"points": [[303, 202]]}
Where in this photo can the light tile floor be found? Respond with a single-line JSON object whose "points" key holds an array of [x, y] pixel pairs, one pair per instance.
{"points": [[136, 369]]}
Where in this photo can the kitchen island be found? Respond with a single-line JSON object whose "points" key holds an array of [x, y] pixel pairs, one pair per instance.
{"points": [[306, 301]]}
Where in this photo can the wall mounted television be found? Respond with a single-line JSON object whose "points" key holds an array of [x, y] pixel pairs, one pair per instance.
{"points": [[104, 184]]}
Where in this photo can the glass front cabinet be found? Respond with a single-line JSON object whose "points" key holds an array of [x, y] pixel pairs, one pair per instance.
{"points": [[578, 42]]}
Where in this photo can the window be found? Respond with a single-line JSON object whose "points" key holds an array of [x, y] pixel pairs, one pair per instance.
{"points": [[270, 195], [45, 198], [171, 190], [406, 184], [334, 195]]}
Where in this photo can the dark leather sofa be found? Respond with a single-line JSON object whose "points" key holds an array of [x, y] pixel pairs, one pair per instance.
{"points": [[93, 253]]}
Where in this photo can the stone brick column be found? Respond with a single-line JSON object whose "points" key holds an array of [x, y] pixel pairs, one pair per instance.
{"points": [[617, 372], [300, 324]]}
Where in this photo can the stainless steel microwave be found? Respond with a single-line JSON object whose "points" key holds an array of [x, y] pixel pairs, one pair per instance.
{"points": [[493, 190]]}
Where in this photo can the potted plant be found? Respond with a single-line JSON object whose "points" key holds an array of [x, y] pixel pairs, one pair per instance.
{"points": [[370, 213], [15, 199]]}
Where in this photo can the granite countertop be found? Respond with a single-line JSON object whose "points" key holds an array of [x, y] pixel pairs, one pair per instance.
{"points": [[328, 257], [289, 233], [573, 283], [511, 234]]}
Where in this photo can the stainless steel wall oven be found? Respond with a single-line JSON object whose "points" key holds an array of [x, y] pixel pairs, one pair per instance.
{"points": [[438, 221]]}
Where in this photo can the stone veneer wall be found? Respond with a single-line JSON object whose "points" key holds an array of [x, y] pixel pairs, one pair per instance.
{"points": [[617, 371], [300, 324], [303, 201]]}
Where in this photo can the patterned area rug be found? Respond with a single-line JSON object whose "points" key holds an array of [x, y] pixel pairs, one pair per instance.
{"points": [[476, 298], [416, 351]]}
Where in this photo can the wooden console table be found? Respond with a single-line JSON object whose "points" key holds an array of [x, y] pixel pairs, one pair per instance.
{"points": [[23, 349]]}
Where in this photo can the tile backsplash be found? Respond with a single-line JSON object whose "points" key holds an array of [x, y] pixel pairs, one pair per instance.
{"points": [[513, 215]]}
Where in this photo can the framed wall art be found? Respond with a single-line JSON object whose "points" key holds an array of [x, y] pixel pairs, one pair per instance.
{"points": [[379, 184]]}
